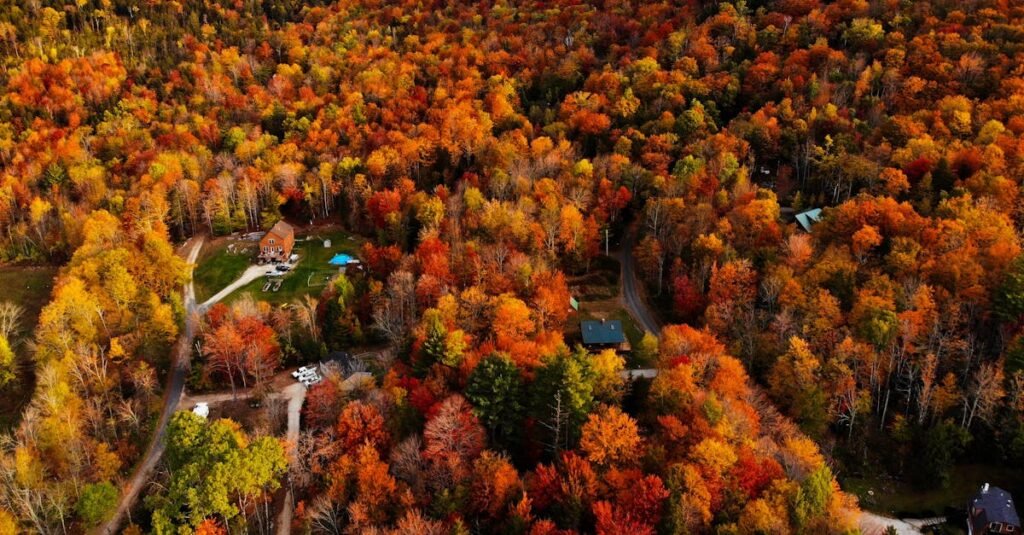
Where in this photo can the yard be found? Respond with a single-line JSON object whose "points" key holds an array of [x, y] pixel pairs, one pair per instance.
{"points": [[29, 287], [270, 417], [311, 273], [901, 499], [221, 262], [598, 295]]}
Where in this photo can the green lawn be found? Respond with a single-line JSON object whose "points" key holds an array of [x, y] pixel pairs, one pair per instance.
{"points": [[217, 267], [310, 274], [889, 497], [29, 287]]}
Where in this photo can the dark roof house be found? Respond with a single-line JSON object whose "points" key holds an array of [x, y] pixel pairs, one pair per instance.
{"points": [[991, 511], [602, 332]]}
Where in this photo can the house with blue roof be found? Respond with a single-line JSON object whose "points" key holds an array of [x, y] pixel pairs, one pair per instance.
{"points": [[603, 334], [991, 512]]}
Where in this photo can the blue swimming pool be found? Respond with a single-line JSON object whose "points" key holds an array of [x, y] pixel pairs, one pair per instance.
{"points": [[341, 259]]}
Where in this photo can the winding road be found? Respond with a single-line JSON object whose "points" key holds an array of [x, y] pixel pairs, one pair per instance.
{"points": [[173, 392], [873, 524], [631, 295], [250, 274], [175, 398]]}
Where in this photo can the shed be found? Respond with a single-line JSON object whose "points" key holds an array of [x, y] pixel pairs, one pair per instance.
{"points": [[991, 511]]}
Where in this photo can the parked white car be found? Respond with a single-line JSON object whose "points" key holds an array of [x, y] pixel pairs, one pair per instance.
{"points": [[307, 375]]}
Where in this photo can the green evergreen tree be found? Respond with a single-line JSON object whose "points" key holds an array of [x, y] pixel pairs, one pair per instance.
{"points": [[561, 398], [495, 389]]}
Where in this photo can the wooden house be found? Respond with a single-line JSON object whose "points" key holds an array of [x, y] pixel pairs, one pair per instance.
{"points": [[276, 245]]}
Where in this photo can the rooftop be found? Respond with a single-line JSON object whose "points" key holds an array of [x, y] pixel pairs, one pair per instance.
{"points": [[602, 332], [281, 229], [993, 504], [809, 218]]}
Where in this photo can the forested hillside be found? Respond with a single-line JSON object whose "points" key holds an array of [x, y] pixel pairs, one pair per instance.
{"points": [[487, 154]]}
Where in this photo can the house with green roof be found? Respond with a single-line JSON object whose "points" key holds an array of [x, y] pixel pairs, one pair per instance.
{"points": [[603, 334]]}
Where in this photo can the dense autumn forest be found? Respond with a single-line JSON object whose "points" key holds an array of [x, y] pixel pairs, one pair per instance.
{"points": [[485, 157]]}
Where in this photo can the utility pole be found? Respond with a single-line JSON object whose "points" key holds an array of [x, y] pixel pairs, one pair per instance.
{"points": [[606, 241]]}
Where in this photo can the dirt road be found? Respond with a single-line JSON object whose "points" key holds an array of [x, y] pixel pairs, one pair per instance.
{"points": [[172, 394], [250, 274]]}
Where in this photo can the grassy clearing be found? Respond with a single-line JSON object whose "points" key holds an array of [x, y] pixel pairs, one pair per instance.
{"points": [[310, 275], [218, 266], [895, 497], [29, 287]]}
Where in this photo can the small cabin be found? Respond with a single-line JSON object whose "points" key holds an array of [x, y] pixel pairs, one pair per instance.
{"points": [[991, 512], [276, 245], [603, 334]]}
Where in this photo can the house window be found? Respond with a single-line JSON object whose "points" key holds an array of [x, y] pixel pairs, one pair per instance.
{"points": [[271, 241]]}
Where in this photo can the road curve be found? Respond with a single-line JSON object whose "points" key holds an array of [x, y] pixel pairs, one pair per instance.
{"points": [[173, 391], [632, 295], [250, 274]]}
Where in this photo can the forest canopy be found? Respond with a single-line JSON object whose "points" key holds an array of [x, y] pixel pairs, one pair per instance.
{"points": [[488, 154]]}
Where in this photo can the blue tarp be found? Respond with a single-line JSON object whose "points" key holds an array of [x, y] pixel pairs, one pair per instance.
{"points": [[342, 259]]}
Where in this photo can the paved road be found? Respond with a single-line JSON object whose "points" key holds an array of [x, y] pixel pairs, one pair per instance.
{"points": [[632, 298], [632, 294], [175, 388], [645, 373]]}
